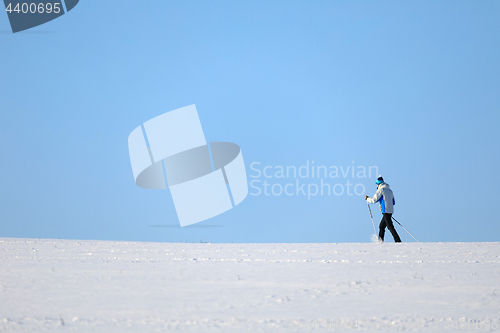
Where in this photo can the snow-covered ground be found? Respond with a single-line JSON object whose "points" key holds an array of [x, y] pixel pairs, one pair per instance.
{"points": [[105, 286]]}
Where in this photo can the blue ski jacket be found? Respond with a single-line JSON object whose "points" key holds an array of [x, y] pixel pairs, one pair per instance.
{"points": [[385, 196]]}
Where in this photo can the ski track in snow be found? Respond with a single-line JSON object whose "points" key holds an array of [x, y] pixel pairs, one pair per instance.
{"points": [[107, 286]]}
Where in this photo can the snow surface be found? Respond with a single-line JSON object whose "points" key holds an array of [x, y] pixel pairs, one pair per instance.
{"points": [[106, 286]]}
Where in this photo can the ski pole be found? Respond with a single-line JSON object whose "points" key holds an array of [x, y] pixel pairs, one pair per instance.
{"points": [[405, 229], [375, 231]]}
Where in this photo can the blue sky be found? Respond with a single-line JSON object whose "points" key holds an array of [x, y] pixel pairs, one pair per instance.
{"points": [[411, 87]]}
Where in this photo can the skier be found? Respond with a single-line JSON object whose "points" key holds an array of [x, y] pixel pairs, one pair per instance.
{"points": [[385, 196]]}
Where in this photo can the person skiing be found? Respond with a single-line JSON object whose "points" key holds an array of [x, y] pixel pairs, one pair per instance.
{"points": [[385, 196]]}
